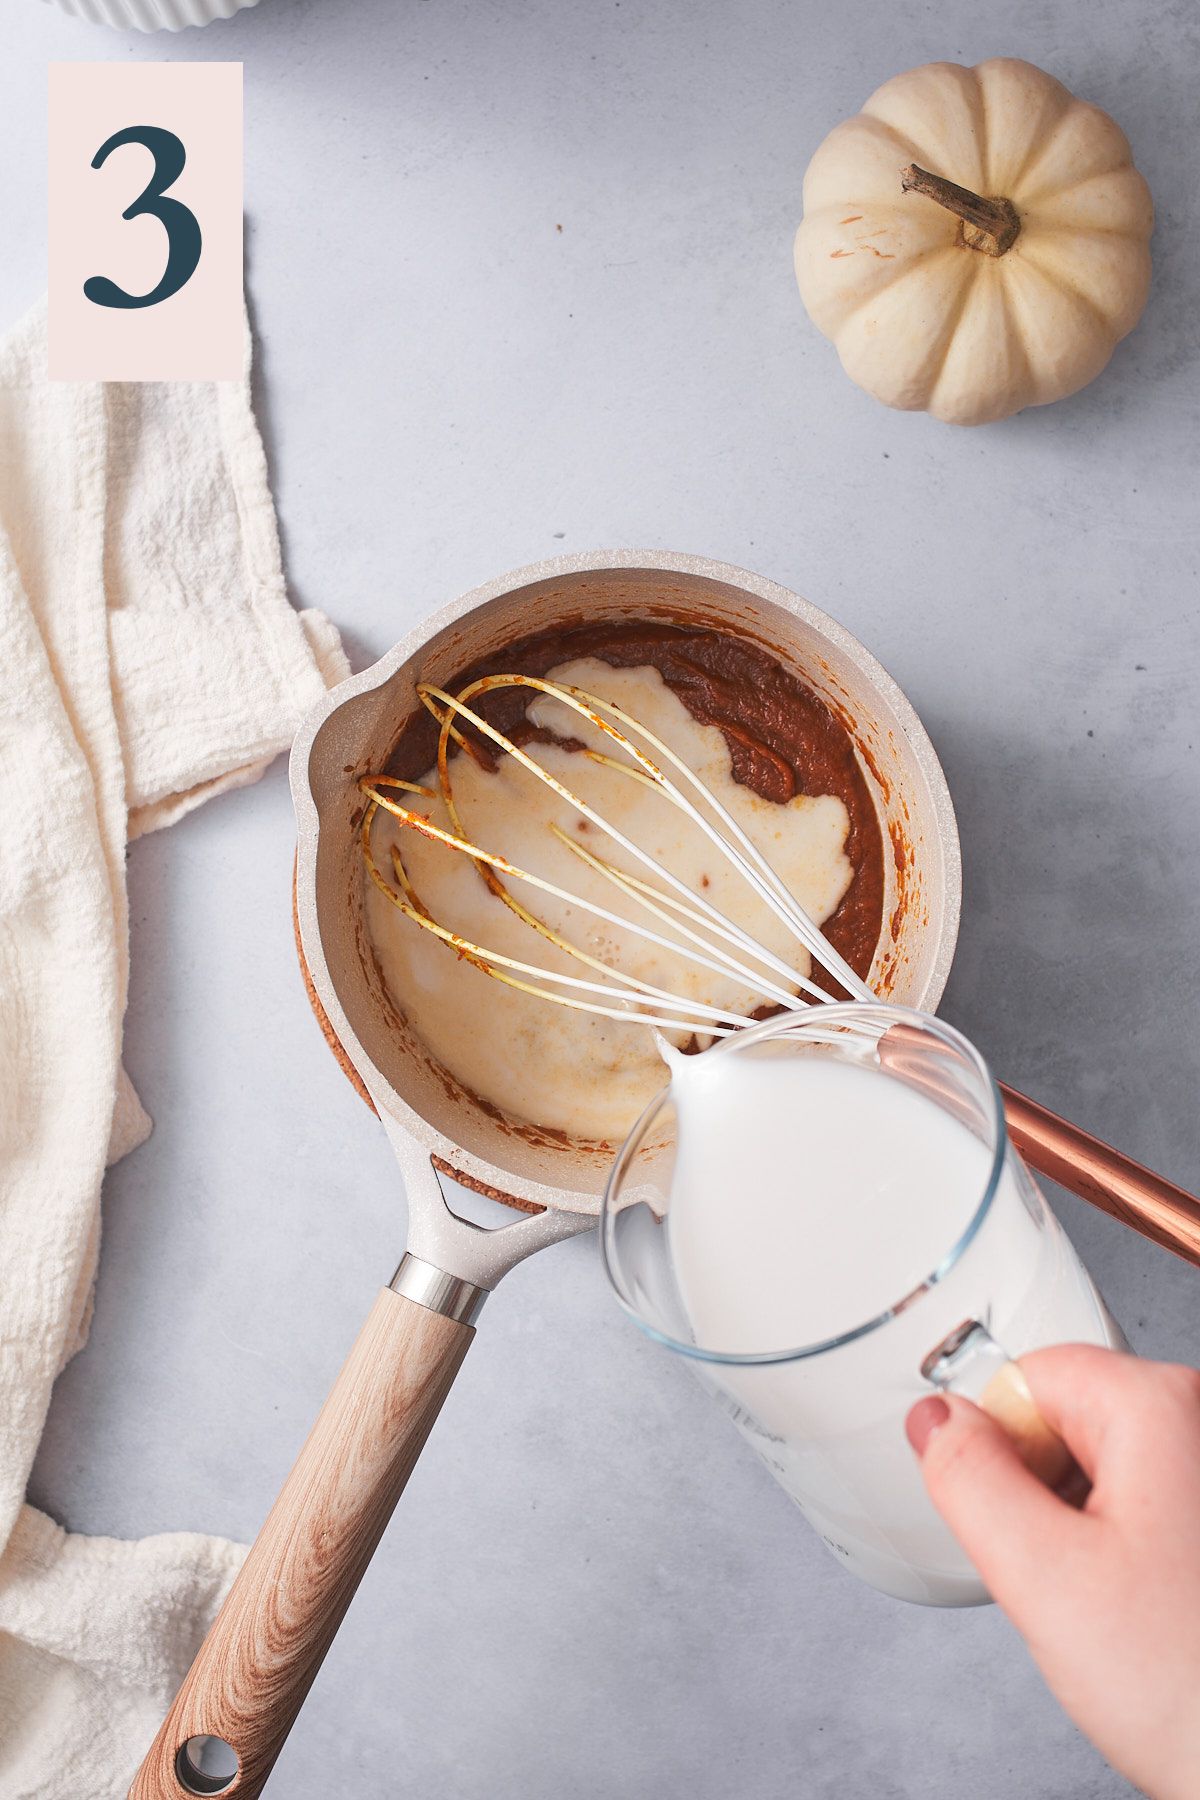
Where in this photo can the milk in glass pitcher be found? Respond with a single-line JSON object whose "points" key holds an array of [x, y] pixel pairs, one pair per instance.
{"points": [[825, 1215]]}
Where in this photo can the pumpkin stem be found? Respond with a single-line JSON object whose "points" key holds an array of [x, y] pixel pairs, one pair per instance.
{"points": [[988, 225]]}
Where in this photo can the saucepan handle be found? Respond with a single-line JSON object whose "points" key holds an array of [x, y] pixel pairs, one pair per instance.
{"points": [[256, 1665], [1158, 1208]]}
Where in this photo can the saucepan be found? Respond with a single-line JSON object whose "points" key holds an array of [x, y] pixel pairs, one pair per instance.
{"points": [[237, 1704]]}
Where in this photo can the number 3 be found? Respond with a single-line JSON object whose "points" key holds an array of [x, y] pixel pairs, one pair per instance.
{"points": [[180, 224]]}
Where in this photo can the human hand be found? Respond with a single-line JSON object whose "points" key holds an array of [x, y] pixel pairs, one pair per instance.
{"points": [[1107, 1598]]}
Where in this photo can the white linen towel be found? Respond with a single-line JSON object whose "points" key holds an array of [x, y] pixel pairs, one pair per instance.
{"points": [[149, 658]]}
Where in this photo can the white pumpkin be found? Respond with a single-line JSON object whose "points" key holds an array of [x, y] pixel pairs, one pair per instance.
{"points": [[974, 241]]}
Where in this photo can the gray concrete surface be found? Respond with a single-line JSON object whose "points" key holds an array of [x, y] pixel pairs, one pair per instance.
{"points": [[591, 1590]]}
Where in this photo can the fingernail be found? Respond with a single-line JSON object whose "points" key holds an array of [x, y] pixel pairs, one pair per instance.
{"points": [[926, 1417]]}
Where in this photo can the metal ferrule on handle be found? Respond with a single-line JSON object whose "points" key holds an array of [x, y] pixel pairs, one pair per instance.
{"points": [[437, 1291]]}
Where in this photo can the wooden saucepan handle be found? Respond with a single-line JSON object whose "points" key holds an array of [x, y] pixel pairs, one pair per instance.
{"points": [[256, 1665]]}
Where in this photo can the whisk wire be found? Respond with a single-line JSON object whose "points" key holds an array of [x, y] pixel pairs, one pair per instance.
{"points": [[475, 952], [658, 903], [585, 704], [632, 995], [785, 905], [719, 1021]]}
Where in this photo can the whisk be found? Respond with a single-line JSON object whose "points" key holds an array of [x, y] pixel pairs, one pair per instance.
{"points": [[662, 910]]}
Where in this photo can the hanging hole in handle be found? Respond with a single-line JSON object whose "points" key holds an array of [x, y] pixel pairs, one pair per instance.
{"points": [[206, 1765]]}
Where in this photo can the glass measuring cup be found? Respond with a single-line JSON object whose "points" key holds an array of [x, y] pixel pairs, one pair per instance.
{"points": [[826, 1413]]}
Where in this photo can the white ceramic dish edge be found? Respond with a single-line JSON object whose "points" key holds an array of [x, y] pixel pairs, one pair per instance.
{"points": [[151, 15]]}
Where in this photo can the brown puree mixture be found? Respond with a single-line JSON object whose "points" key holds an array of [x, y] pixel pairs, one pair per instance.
{"points": [[783, 740]]}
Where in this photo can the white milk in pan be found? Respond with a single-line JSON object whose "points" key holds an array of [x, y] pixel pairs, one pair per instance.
{"points": [[586, 1076], [808, 1196]]}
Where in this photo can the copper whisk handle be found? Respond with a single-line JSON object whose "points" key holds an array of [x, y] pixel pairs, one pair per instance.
{"points": [[1166, 1214]]}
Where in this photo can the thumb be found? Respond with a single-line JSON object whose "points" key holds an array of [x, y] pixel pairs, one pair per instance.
{"points": [[1014, 1530]]}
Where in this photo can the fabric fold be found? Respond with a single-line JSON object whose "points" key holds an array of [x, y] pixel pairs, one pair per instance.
{"points": [[150, 660], [99, 1635]]}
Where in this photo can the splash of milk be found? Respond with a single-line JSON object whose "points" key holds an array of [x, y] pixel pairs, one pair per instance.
{"points": [[586, 1076]]}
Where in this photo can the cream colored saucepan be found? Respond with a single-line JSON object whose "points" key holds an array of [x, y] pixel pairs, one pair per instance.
{"points": [[248, 1682]]}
